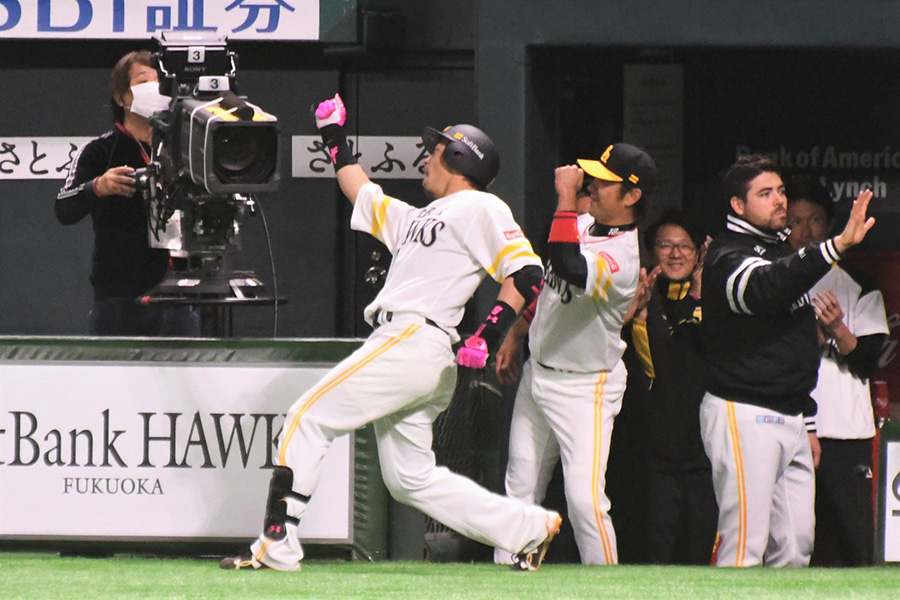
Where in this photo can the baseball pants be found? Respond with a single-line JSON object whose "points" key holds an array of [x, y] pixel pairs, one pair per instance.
{"points": [[764, 481], [400, 379], [568, 416], [682, 517], [844, 521]]}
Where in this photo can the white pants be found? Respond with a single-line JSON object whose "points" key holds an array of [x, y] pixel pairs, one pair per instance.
{"points": [[400, 379], [764, 481], [568, 416]]}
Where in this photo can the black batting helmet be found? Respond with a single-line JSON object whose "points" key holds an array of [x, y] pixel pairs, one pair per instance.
{"points": [[469, 151]]}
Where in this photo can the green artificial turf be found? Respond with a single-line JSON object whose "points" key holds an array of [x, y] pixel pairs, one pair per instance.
{"points": [[37, 576]]}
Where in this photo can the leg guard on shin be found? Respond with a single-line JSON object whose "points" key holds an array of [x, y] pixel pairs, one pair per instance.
{"points": [[280, 489]]}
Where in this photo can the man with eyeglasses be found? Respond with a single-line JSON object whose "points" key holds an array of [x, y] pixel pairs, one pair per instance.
{"points": [[667, 381], [572, 385], [852, 330], [757, 419]]}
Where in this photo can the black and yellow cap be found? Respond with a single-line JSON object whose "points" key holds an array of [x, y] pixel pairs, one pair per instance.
{"points": [[623, 162]]}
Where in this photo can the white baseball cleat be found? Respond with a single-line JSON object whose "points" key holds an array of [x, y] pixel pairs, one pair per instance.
{"points": [[531, 561]]}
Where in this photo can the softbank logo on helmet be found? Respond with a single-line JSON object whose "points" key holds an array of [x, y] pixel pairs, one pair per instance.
{"points": [[469, 151], [472, 145]]}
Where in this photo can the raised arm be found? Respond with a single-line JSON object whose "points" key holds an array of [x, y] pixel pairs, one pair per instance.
{"points": [[757, 286], [564, 244], [331, 115], [858, 225]]}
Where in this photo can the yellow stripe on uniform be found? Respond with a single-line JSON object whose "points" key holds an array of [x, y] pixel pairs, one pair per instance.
{"points": [[678, 290], [339, 379], [641, 339], [741, 486], [526, 250], [379, 218], [262, 550], [597, 471], [602, 286]]}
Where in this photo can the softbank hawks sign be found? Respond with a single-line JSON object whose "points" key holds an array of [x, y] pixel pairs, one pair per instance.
{"points": [[153, 450], [171, 440]]}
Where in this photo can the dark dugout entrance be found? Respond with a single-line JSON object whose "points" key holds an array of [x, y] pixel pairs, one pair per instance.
{"points": [[830, 114], [827, 113]]}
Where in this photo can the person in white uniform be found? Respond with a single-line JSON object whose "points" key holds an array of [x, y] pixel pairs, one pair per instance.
{"points": [[853, 328], [572, 384], [405, 373]]}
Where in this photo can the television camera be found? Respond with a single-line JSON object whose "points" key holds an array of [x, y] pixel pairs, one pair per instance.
{"points": [[212, 150]]}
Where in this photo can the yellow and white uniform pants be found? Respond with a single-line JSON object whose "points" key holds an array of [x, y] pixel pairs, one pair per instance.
{"points": [[764, 481], [568, 416], [401, 379]]}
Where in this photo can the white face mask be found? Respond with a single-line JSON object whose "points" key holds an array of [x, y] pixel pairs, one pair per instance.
{"points": [[147, 99]]}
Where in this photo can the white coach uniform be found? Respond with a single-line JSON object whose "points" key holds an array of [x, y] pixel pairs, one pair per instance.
{"points": [[844, 401], [405, 373], [572, 387]]}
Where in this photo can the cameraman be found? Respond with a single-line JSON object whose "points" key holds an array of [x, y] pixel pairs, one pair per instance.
{"points": [[100, 184]]}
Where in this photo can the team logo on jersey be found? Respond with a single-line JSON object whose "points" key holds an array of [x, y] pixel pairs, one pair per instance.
{"points": [[559, 285], [514, 234], [610, 262], [425, 227]]}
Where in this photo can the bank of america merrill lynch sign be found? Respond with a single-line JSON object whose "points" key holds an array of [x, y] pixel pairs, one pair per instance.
{"points": [[139, 19]]}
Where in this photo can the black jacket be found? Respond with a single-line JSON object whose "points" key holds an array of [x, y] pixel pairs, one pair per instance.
{"points": [[124, 264], [668, 347], [759, 327]]}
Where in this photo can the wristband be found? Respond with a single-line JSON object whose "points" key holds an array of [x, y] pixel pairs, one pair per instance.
{"points": [[338, 149], [496, 323], [564, 227]]}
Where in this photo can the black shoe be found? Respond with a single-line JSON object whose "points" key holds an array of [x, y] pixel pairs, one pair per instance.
{"points": [[531, 561], [245, 560]]}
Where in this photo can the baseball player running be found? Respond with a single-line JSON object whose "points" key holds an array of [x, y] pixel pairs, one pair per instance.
{"points": [[404, 375], [759, 331], [572, 385]]}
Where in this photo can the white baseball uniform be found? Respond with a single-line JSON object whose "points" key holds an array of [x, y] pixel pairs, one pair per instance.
{"points": [[844, 401], [572, 387], [845, 423], [405, 373]]}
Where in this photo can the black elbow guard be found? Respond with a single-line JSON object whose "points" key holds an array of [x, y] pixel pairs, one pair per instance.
{"points": [[529, 280]]}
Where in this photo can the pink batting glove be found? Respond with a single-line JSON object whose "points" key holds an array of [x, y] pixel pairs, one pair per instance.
{"points": [[473, 354], [331, 112]]}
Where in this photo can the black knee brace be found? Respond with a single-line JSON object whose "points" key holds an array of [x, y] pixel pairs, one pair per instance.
{"points": [[280, 489]]}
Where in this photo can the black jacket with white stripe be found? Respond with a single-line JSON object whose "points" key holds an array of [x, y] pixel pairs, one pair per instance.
{"points": [[124, 264], [759, 327]]}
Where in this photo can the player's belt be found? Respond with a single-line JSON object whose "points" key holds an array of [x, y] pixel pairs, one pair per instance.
{"points": [[564, 370], [380, 317]]}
